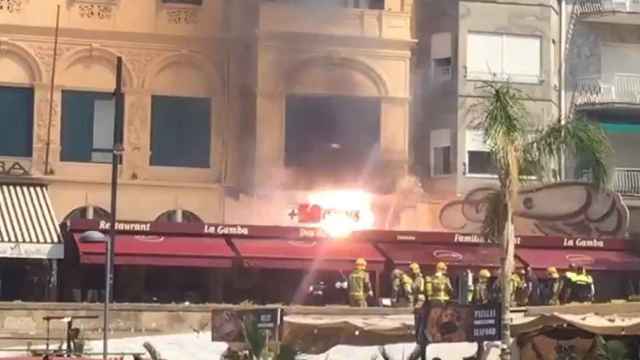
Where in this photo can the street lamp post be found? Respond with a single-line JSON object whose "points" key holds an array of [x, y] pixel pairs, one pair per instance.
{"points": [[111, 239]]}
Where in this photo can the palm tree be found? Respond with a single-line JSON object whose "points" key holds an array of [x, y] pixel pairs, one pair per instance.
{"points": [[520, 152]]}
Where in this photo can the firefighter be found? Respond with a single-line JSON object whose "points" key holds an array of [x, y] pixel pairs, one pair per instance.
{"points": [[520, 288], [552, 287], [359, 285], [417, 286], [481, 290], [438, 287], [567, 284], [584, 290], [418, 299], [401, 291], [495, 293]]}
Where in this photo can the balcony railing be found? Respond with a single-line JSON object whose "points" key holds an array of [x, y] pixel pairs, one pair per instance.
{"points": [[626, 181], [277, 17], [620, 88], [601, 7]]}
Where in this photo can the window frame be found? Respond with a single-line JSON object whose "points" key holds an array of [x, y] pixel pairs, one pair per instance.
{"points": [[103, 95], [32, 112], [212, 159], [441, 49], [439, 138], [502, 76], [469, 146]]}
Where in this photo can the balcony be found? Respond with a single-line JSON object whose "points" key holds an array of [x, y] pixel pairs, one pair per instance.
{"points": [[609, 11], [627, 181], [621, 90], [351, 22]]}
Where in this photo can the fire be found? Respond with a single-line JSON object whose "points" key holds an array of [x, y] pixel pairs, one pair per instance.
{"points": [[345, 211]]}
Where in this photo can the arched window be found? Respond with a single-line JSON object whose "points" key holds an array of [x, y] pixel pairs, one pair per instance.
{"points": [[179, 216], [88, 213]]}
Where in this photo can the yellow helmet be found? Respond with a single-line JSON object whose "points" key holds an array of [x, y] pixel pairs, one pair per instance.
{"points": [[484, 273], [442, 267], [361, 263], [414, 267], [553, 272]]}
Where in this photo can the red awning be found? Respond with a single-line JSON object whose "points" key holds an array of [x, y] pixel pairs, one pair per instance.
{"points": [[592, 259], [159, 251], [321, 255], [404, 253]]}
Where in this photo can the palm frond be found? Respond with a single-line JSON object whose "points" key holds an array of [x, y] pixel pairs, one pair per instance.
{"points": [[496, 214], [505, 131], [578, 138], [254, 337]]}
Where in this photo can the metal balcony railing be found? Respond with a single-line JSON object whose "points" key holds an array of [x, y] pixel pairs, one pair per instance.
{"points": [[622, 88], [626, 181], [600, 7]]}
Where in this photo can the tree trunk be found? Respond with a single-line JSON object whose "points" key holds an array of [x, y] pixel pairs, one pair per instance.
{"points": [[507, 270]]}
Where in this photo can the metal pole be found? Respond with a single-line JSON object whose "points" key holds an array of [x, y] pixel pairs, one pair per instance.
{"points": [[51, 88], [115, 160]]}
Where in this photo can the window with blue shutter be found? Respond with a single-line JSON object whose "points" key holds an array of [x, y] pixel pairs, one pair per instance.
{"points": [[180, 131], [87, 126], [16, 121]]}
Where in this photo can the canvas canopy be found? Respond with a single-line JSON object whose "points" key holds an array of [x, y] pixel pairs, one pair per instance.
{"points": [[318, 334], [612, 325]]}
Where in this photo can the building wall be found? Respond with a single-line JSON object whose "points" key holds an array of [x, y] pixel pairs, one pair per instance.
{"points": [[203, 51], [453, 105]]}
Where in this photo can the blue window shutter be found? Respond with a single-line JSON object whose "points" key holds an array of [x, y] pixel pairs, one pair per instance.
{"points": [[16, 121], [180, 131], [77, 125]]}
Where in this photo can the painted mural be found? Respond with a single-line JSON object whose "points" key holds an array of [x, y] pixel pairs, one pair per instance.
{"points": [[570, 209]]}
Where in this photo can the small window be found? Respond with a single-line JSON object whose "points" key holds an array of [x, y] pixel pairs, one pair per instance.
{"points": [[442, 69], [441, 56], [479, 159], [440, 141], [87, 126], [16, 121], [442, 160], [480, 163], [180, 131], [504, 57]]}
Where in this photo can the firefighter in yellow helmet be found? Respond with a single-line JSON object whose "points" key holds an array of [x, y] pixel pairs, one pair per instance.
{"points": [[583, 285], [438, 287], [520, 289], [418, 299], [401, 289], [359, 284], [481, 290]]}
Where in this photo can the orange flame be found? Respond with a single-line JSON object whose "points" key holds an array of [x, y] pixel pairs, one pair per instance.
{"points": [[346, 211]]}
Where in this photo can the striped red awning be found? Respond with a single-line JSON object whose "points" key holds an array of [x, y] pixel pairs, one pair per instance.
{"points": [[28, 226]]}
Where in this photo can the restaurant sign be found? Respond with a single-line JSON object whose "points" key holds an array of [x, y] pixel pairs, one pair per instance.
{"points": [[14, 168], [308, 232]]}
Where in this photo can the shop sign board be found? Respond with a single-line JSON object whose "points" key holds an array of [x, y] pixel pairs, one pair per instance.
{"points": [[227, 325], [13, 167], [308, 232], [31, 251], [462, 323]]}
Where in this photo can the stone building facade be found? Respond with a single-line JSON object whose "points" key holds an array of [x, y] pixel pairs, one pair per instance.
{"points": [[238, 60]]}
